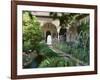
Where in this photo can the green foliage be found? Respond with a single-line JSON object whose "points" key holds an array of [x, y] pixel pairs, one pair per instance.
{"points": [[52, 59], [65, 19], [44, 50], [80, 54], [83, 27], [57, 62], [32, 33], [76, 51], [84, 35], [79, 50], [63, 46]]}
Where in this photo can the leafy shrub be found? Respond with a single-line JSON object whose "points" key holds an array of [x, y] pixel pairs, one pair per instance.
{"points": [[64, 47], [83, 37], [44, 50], [76, 51], [32, 34], [57, 62], [79, 50]]}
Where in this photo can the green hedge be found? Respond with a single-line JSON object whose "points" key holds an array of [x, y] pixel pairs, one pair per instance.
{"points": [[57, 62]]}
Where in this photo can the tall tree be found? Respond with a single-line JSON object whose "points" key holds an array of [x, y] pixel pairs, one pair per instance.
{"points": [[32, 33], [65, 19]]}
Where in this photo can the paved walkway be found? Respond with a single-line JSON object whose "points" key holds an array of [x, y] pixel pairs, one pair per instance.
{"points": [[66, 56]]}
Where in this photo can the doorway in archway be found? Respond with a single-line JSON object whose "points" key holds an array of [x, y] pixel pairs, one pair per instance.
{"points": [[47, 33], [62, 34]]}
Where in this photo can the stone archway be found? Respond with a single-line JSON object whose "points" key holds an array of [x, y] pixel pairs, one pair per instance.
{"points": [[49, 28], [62, 34]]}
